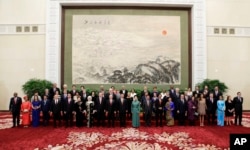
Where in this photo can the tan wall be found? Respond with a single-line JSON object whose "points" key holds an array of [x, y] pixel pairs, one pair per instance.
{"points": [[228, 57], [21, 56]]}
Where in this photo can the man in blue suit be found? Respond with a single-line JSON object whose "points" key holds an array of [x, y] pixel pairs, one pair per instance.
{"points": [[45, 107]]}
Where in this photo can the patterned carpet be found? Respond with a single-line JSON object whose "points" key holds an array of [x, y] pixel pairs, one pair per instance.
{"points": [[143, 138]]}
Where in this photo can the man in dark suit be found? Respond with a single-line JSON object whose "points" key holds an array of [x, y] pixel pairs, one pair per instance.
{"points": [[111, 110], [171, 92], [45, 108], [159, 106], [73, 91], [56, 110], [83, 94], [238, 101], [122, 108], [211, 108], [197, 91], [68, 108], [100, 109], [53, 90], [217, 93], [181, 110], [124, 91], [15, 108], [148, 108]]}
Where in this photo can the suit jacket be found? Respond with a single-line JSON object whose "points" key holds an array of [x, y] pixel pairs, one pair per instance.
{"points": [[217, 96], [182, 106], [159, 106], [197, 92], [73, 93], [56, 108], [52, 93], [147, 108], [122, 107], [83, 96], [125, 92], [111, 107], [238, 104], [172, 93], [15, 107], [68, 107], [45, 106], [100, 107], [211, 107]]}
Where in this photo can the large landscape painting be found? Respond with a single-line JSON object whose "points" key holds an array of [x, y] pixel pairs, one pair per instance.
{"points": [[127, 49]]}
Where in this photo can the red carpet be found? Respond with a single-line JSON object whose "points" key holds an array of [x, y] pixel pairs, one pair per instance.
{"points": [[157, 138]]}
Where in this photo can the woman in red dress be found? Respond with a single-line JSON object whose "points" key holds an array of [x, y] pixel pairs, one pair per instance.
{"points": [[26, 109]]}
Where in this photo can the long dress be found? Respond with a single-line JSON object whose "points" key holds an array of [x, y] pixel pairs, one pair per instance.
{"points": [[220, 112], [135, 109], [36, 113], [79, 108], [89, 115], [26, 108], [191, 110], [170, 113]]}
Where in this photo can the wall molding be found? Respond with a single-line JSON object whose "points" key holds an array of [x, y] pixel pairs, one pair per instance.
{"points": [[228, 31], [53, 31], [20, 29]]}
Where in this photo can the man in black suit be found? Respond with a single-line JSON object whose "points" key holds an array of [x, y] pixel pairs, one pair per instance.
{"points": [[197, 91], [211, 108], [56, 110], [68, 108], [122, 108], [171, 92], [159, 106], [45, 108], [238, 101], [83, 94], [53, 90], [73, 91], [100, 109], [15, 108], [217, 93], [181, 110], [148, 108], [111, 110], [124, 91]]}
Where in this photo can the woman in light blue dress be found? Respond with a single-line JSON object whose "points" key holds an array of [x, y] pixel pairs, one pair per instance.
{"points": [[220, 111]]}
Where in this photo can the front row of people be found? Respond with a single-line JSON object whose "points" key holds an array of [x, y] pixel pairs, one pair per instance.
{"points": [[101, 109]]}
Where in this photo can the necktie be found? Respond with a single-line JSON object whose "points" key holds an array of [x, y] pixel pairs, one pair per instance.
{"points": [[15, 100], [122, 101], [100, 100], [69, 101]]}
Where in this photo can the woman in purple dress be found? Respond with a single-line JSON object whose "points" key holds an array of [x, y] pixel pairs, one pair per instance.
{"points": [[191, 111], [36, 104]]}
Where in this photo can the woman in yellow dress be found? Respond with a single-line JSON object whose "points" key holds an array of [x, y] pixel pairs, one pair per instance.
{"points": [[26, 109]]}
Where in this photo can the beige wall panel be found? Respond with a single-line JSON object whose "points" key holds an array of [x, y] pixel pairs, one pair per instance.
{"points": [[21, 57]]}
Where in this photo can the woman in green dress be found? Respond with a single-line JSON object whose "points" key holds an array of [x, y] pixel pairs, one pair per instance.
{"points": [[135, 109]]}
